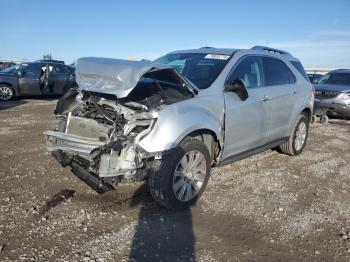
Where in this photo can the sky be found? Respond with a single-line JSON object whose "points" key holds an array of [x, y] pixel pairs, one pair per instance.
{"points": [[317, 32]]}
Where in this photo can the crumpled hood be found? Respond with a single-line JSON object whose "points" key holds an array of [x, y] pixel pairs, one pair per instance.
{"points": [[331, 87], [112, 76]]}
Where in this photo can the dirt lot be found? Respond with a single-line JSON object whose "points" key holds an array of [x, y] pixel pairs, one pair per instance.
{"points": [[270, 207]]}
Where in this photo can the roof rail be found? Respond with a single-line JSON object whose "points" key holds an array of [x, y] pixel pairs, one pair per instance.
{"points": [[269, 49]]}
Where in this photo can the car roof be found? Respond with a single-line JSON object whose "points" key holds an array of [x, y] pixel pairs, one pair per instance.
{"points": [[206, 49], [43, 63], [230, 51], [340, 71]]}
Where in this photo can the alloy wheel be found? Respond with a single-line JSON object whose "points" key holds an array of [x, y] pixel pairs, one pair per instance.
{"points": [[189, 175], [5, 93], [300, 136]]}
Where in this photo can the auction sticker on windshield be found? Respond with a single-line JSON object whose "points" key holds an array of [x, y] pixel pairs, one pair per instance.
{"points": [[217, 56]]}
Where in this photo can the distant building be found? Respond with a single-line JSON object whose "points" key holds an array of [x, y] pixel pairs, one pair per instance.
{"points": [[318, 70]]}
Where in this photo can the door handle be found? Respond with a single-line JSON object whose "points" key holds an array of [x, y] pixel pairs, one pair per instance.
{"points": [[266, 98], [295, 92]]}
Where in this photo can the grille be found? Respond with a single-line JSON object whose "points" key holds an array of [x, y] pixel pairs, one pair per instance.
{"points": [[326, 94]]}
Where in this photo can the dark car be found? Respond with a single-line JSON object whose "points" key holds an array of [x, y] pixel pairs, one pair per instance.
{"points": [[333, 92], [36, 78], [314, 77]]}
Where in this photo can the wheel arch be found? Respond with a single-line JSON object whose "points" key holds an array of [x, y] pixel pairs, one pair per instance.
{"points": [[210, 140], [307, 112]]}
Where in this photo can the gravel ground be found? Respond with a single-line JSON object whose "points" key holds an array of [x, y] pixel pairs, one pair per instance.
{"points": [[269, 207]]}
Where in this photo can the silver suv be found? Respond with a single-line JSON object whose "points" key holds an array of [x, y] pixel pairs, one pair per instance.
{"points": [[170, 121]]}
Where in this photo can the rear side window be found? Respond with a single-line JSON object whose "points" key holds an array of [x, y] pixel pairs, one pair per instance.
{"points": [[60, 69], [277, 72], [298, 66]]}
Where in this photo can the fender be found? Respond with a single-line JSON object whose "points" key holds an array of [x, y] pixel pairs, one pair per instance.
{"points": [[178, 120]]}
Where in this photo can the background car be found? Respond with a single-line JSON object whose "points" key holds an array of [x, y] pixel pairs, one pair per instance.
{"points": [[36, 78], [4, 65], [333, 91], [314, 77]]}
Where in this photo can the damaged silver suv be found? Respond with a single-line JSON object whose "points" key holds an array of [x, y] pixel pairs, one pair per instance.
{"points": [[170, 121]]}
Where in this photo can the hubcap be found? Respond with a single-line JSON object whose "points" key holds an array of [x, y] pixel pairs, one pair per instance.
{"points": [[5, 93], [189, 175], [300, 136]]}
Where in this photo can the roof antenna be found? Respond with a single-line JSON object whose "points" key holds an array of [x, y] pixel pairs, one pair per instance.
{"points": [[267, 43]]}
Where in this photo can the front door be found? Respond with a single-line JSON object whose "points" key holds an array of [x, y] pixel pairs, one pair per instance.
{"points": [[29, 80], [246, 122]]}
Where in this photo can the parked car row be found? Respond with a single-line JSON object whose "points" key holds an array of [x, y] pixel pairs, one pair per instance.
{"points": [[333, 93], [4, 65]]}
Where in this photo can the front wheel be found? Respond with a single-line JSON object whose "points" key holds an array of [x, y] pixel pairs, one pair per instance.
{"points": [[297, 140], [180, 177], [6, 93]]}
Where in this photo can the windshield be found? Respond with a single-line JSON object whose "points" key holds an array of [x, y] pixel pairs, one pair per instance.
{"points": [[335, 79], [200, 68], [11, 69]]}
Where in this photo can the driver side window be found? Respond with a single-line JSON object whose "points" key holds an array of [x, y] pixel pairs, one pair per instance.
{"points": [[250, 71]]}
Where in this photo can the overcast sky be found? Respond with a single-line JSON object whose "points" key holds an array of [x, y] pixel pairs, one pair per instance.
{"points": [[317, 32]]}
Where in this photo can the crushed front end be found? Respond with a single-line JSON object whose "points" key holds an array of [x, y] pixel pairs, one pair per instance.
{"points": [[102, 122], [98, 138]]}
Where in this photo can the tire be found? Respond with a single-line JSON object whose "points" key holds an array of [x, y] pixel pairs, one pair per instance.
{"points": [[171, 183], [313, 118], [324, 119], [6, 93], [291, 147]]}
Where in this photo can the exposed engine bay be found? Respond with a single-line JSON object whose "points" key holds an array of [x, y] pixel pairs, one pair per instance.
{"points": [[98, 133]]}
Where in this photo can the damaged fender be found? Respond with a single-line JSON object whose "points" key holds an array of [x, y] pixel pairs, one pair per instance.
{"points": [[178, 120]]}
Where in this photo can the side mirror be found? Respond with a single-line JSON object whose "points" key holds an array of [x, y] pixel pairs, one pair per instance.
{"points": [[238, 87]]}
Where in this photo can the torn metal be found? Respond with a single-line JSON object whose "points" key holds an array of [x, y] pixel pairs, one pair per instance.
{"points": [[102, 123]]}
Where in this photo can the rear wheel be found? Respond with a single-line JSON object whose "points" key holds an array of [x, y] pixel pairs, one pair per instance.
{"points": [[6, 93], [297, 140], [179, 178]]}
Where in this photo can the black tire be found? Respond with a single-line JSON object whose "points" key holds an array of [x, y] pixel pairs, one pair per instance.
{"points": [[289, 148], [324, 119], [162, 174], [8, 89]]}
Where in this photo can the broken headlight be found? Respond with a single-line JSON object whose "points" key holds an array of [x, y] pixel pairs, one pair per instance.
{"points": [[139, 128]]}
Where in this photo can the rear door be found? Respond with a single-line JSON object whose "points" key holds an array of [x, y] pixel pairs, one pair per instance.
{"points": [[59, 77], [246, 122], [29, 81], [282, 94]]}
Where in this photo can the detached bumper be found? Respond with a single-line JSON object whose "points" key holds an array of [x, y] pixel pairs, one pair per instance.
{"points": [[102, 160], [70, 143]]}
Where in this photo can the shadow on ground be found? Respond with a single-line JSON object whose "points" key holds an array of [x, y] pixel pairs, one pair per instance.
{"points": [[23, 100], [161, 235], [10, 104]]}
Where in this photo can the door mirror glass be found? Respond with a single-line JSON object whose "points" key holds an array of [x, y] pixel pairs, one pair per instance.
{"points": [[20, 73], [238, 87]]}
